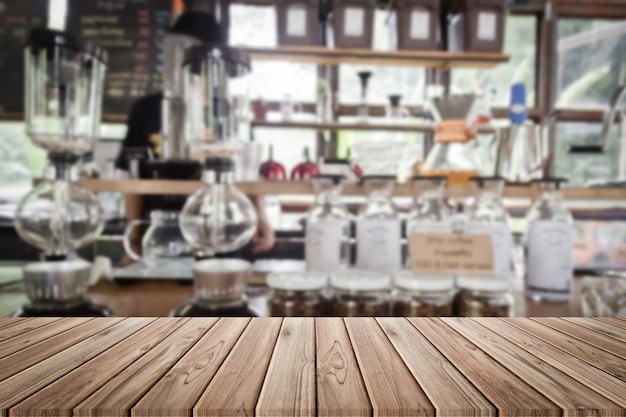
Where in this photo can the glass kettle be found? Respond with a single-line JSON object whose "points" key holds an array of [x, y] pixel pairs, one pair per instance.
{"points": [[162, 243]]}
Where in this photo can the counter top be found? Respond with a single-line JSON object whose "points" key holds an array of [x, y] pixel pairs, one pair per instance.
{"points": [[308, 367]]}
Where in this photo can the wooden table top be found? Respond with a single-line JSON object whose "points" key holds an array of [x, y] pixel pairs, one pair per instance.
{"points": [[309, 367]]}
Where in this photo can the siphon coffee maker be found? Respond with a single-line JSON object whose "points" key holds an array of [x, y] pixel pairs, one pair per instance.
{"points": [[63, 100], [218, 219]]}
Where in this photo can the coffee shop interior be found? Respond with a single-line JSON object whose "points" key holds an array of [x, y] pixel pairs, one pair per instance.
{"points": [[313, 158]]}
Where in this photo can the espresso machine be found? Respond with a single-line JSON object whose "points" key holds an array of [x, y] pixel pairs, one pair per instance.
{"points": [[63, 101], [218, 219]]}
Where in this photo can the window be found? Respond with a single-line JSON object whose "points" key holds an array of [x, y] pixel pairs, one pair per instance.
{"points": [[591, 55], [520, 43]]}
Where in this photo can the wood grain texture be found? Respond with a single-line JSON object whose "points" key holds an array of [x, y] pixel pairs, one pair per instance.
{"points": [[586, 335], [20, 326], [235, 388], [447, 389], [509, 394], [58, 398], [118, 395], [619, 322], [24, 340], [34, 354], [572, 396], [34, 378], [289, 387], [596, 379], [8, 322], [177, 392], [592, 355], [600, 327], [390, 385], [340, 389]]}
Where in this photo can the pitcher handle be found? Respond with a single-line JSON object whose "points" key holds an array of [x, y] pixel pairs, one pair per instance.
{"points": [[127, 248]]}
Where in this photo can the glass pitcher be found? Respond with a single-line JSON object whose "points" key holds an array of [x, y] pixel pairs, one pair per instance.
{"points": [[162, 242]]}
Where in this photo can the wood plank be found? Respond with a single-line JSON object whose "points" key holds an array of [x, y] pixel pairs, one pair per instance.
{"points": [[577, 348], [59, 397], [619, 322], [596, 379], [117, 396], [447, 389], [390, 385], [600, 327], [34, 354], [340, 389], [29, 381], [23, 326], [12, 321], [289, 387], [509, 394], [572, 396], [235, 388], [586, 335], [17, 343], [177, 392]]}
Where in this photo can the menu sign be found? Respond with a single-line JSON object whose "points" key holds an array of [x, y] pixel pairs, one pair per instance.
{"points": [[451, 254], [132, 33], [17, 18]]}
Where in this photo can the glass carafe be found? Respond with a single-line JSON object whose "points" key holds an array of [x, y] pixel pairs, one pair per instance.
{"points": [[549, 264], [327, 246], [162, 243], [378, 228], [218, 218], [430, 215]]}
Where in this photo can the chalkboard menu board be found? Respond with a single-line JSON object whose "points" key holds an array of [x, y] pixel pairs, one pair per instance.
{"points": [[131, 31], [17, 17]]}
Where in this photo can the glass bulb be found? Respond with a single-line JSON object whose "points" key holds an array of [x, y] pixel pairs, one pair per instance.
{"points": [[59, 216], [218, 218]]}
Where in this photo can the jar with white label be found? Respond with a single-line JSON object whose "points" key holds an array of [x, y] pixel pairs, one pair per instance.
{"points": [[483, 297], [327, 240], [422, 296], [488, 216], [378, 228], [296, 294], [549, 267], [358, 293], [430, 215]]}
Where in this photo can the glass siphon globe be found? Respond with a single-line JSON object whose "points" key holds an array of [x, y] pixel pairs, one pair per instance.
{"points": [[218, 218], [59, 216]]}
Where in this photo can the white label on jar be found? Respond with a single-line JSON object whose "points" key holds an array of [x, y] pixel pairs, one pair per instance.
{"points": [[426, 226], [378, 244], [353, 21], [420, 24], [501, 241], [323, 245], [296, 21], [486, 26], [549, 265]]}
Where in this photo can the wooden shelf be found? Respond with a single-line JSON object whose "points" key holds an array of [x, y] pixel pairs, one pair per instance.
{"points": [[326, 56], [147, 187], [363, 126]]}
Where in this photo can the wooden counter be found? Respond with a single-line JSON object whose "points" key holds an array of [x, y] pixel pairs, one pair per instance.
{"points": [[309, 367]]}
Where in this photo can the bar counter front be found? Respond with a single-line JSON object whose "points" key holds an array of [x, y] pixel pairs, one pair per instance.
{"points": [[312, 366]]}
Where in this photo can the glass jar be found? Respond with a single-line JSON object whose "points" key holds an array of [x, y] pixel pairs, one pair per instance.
{"points": [[422, 296], [549, 244], [218, 218], [358, 293], [296, 294], [483, 297], [489, 216], [327, 242], [378, 228], [430, 215]]}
